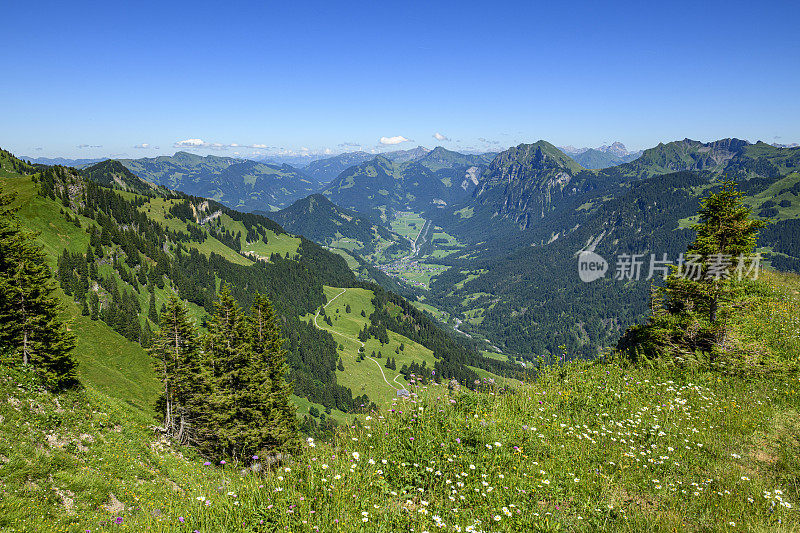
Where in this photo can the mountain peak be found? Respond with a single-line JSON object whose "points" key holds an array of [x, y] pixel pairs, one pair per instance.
{"points": [[538, 155]]}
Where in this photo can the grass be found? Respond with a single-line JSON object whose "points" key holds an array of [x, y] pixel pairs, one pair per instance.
{"points": [[407, 224], [436, 313], [587, 447], [107, 361], [157, 209], [351, 261], [365, 377]]}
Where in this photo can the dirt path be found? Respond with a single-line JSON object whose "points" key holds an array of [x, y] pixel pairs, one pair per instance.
{"points": [[352, 339]]}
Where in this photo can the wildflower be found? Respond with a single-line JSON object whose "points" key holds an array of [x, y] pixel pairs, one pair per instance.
{"points": [[118, 520], [356, 456]]}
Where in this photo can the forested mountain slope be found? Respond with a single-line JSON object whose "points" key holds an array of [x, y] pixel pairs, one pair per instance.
{"points": [[516, 282], [118, 255], [238, 183], [320, 220], [382, 186]]}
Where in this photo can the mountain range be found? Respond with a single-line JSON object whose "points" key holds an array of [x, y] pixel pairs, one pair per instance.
{"points": [[495, 234], [602, 157], [239, 183], [383, 186]]}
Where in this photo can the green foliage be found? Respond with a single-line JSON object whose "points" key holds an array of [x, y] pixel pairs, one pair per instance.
{"points": [[587, 447], [229, 399], [176, 356], [33, 333], [690, 313]]}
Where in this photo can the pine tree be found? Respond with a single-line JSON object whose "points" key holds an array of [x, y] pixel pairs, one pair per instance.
{"points": [[725, 230], [153, 312], [236, 402], [688, 314], [94, 302], [176, 357], [32, 333]]}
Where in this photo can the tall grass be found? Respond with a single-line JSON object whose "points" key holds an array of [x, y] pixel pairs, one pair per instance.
{"points": [[587, 447]]}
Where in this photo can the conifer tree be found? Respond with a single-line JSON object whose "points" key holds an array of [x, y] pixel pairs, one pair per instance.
{"points": [[153, 312], [236, 416], [725, 232], [689, 312], [94, 301], [270, 356], [32, 333], [176, 358]]}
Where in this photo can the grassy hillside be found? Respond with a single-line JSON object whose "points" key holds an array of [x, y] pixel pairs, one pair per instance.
{"points": [[586, 447], [110, 353], [108, 361], [369, 376]]}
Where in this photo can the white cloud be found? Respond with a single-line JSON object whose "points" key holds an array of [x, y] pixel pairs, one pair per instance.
{"points": [[200, 143], [143, 146], [90, 146], [439, 137], [397, 139], [191, 143]]}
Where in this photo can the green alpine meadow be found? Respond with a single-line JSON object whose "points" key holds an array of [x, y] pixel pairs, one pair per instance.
{"points": [[413, 267]]}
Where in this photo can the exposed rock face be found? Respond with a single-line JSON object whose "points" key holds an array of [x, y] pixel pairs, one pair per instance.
{"points": [[521, 182], [471, 177]]}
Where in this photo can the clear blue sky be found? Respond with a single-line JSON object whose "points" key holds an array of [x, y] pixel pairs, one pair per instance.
{"points": [[93, 79]]}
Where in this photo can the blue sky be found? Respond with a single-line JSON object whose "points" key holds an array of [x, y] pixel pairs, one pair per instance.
{"points": [[95, 79]]}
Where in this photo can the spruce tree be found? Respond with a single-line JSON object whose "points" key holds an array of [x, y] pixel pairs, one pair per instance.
{"points": [[32, 333], [689, 313], [236, 417], [267, 345], [94, 302], [176, 358], [725, 232], [153, 312]]}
